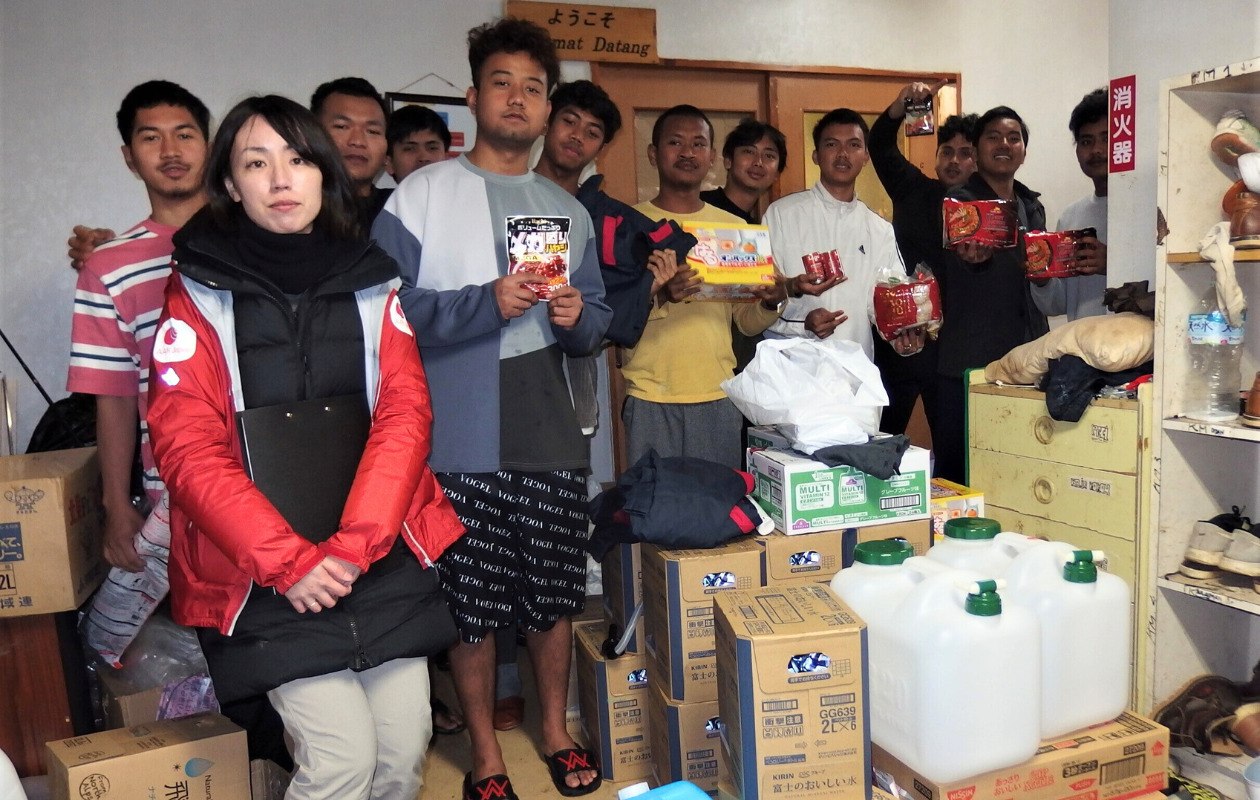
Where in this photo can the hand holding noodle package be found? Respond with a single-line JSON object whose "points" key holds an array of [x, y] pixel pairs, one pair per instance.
{"points": [[905, 301], [1053, 254], [992, 223]]}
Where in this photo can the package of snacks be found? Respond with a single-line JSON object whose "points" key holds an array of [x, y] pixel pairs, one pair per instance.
{"points": [[1052, 254], [540, 245], [731, 259], [907, 301], [992, 223], [919, 121]]}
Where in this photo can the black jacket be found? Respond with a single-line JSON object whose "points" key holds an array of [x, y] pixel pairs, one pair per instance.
{"points": [[989, 307], [625, 238]]}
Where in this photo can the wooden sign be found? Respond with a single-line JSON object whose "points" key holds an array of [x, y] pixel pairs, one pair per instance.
{"points": [[594, 33]]}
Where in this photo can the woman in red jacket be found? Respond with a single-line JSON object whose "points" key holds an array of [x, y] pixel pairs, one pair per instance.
{"points": [[278, 306]]}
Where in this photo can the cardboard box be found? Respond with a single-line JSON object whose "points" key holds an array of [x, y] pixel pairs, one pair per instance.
{"points": [[678, 591], [1117, 760], [50, 531], [952, 500], [731, 259], [622, 570], [686, 741], [817, 557], [792, 694], [763, 437], [614, 705], [194, 758], [124, 705], [803, 495]]}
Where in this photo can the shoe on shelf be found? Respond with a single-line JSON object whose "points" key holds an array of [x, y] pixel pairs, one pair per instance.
{"points": [[1209, 539], [1243, 554], [1246, 727], [1199, 713]]}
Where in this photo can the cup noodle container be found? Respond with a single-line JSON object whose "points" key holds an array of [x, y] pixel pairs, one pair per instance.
{"points": [[1086, 632], [978, 544], [884, 572], [964, 696]]}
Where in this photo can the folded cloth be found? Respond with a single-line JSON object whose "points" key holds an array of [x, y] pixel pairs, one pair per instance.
{"points": [[1215, 247], [878, 458], [1071, 383]]}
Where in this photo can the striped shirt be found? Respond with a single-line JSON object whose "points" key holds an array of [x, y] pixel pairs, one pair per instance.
{"points": [[117, 302]]}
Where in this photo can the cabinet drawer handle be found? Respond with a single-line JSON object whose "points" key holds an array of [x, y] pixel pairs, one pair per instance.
{"points": [[1043, 490], [1043, 429]]}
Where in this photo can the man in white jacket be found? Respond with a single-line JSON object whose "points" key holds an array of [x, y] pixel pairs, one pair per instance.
{"points": [[829, 218]]}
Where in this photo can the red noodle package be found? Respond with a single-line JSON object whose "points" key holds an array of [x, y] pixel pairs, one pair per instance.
{"points": [[992, 223], [905, 301], [919, 120], [1052, 254]]}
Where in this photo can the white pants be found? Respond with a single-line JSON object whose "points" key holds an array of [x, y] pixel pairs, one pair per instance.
{"points": [[358, 735]]}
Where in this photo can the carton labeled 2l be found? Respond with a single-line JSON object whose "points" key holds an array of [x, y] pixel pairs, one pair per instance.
{"points": [[792, 694]]}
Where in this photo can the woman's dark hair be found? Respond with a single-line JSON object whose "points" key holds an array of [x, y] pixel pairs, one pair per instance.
{"points": [[297, 126]]}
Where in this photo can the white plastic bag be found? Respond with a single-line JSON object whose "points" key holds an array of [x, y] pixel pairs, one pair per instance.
{"points": [[818, 392]]}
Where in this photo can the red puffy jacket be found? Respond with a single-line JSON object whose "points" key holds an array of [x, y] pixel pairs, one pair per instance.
{"points": [[239, 538]]}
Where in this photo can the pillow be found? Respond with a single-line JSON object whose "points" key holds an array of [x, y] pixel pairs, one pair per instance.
{"points": [[1111, 343]]}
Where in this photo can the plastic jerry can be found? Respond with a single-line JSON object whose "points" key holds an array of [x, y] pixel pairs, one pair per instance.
{"points": [[679, 790], [1086, 634], [967, 687], [974, 543]]}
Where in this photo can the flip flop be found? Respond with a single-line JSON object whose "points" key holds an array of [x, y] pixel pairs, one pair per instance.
{"points": [[571, 761], [441, 709], [495, 787]]}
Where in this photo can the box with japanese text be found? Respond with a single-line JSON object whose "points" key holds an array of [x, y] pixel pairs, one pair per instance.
{"points": [[816, 557], [803, 495], [678, 591], [792, 694], [51, 520], [731, 259], [686, 741], [952, 500], [202, 757], [613, 696]]}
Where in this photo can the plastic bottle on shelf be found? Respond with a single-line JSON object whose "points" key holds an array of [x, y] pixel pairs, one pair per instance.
{"points": [[1215, 352], [1086, 634]]}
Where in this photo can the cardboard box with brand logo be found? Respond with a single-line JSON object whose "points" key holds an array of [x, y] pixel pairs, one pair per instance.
{"points": [[622, 570], [803, 495], [678, 591], [817, 557], [193, 758], [1118, 760], [792, 694], [686, 741], [952, 500], [613, 697], [50, 531], [764, 437]]}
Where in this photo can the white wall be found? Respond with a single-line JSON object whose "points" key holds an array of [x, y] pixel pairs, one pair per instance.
{"points": [[1154, 40], [65, 64]]}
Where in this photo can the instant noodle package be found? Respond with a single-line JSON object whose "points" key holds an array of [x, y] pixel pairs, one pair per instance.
{"points": [[905, 301], [992, 223], [1052, 254]]}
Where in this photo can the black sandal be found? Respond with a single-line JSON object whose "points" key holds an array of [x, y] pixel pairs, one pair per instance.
{"points": [[438, 707], [571, 761], [495, 787]]}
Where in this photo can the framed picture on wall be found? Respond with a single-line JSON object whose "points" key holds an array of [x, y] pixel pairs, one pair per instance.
{"points": [[454, 112]]}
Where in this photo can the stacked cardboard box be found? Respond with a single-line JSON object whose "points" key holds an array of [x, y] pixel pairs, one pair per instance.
{"points": [[952, 500], [686, 741], [817, 557], [792, 694], [613, 695]]}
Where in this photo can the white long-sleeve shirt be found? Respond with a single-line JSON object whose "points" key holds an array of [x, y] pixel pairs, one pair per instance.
{"points": [[813, 221]]}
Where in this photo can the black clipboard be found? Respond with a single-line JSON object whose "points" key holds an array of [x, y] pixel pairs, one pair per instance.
{"points": [[303, 457]]}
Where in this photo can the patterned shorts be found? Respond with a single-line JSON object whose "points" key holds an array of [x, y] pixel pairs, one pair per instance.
{"points": [[523, 559]]}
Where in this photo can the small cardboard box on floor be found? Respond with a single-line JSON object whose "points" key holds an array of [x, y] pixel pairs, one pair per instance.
{"points": [[686, 741], [950, 501], [1118, 760], [803, 495], [817, 557], [202, 757], [792, 694], [50, 531], [678, 591], [614, 699], [622, 572]]}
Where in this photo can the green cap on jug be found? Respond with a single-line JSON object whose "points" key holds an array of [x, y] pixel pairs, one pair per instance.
{"points": [[984, 601], [972, 528], [883, 552], [1081, 569]]}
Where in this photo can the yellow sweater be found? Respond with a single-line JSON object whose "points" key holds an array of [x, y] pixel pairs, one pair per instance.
{"points": [[685, 352]]}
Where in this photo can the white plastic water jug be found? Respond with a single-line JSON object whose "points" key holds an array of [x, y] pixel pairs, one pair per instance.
{"points": [[976, 544], [1086, 634], [966, 691]]}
